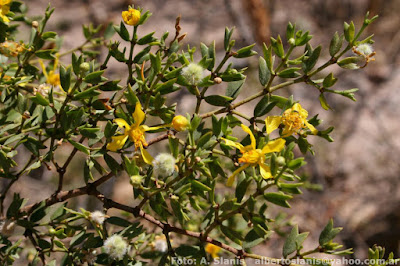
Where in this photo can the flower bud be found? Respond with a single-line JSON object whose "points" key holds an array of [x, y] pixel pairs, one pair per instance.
{"points": [[164, 165], [180, 123], [217, 80], [291, 41], [35, 24], [193, 73], [84, 67], [131, 17], [136, 180], [280, 160]]}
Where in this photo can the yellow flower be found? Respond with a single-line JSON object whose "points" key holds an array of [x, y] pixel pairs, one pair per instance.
{"points": [[251, 156], [52, 77], [294, 120], [135, 132], [131, 17], [213, 250], [180, 123], [4, 9]]}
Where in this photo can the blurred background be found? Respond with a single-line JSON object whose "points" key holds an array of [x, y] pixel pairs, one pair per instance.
{"points": [[359, 172]]}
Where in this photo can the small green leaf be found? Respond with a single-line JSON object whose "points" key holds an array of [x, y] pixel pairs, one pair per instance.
{"points": [[323, 102], [264, 74], [349, 31], [94, 77], [279, 199], [234, 88], [45, 54], [80, 147], [264, 106], [296, 163], [290, 72], [65, 78], [245, 52], [336, 44], [218, 100], [86, 94], [329, 81], [328, 233], [290, 243]]}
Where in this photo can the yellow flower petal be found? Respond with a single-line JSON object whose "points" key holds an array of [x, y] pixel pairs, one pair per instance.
{"points": [[272, 123], [147, 128], [265, 171], [147, 158], [311, 128], [122, 123], [252, 138], [231, 143], [138, 115], [231, 179], [117, 143], [213, 250], [274, 146]]}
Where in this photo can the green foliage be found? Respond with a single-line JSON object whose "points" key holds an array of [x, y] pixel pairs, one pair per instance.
{"points": [[47, 105]]}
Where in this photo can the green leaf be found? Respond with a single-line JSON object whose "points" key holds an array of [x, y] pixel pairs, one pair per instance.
{"points": [[245, 52], [252, 239], [328, 233], [290, 31], [234, 88], [16, 204], [39, 213], [147, 39], [89, 133], [65, 78], [290, 243], [323, 102], [39, 99], [296, 163], [94, 77], [86, 94], [112, 163], [227, 38], [198, 185], [290, 72], [231, 234], [122, 31], [241, 188], [165, 87], [336, 44], [292, 188], [218, 100], [115, 220], [187, 251], [329, 81], [312, 59], [264, 106], [264, 74], [277, 46], [79, 238], [49, 35], [349, 31], [80, 147], [279, 199], [45, 54]]}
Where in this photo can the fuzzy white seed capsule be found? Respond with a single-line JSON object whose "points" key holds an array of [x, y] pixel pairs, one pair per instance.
{"points": [[193, 73], [164, 165], [116, 247]]}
